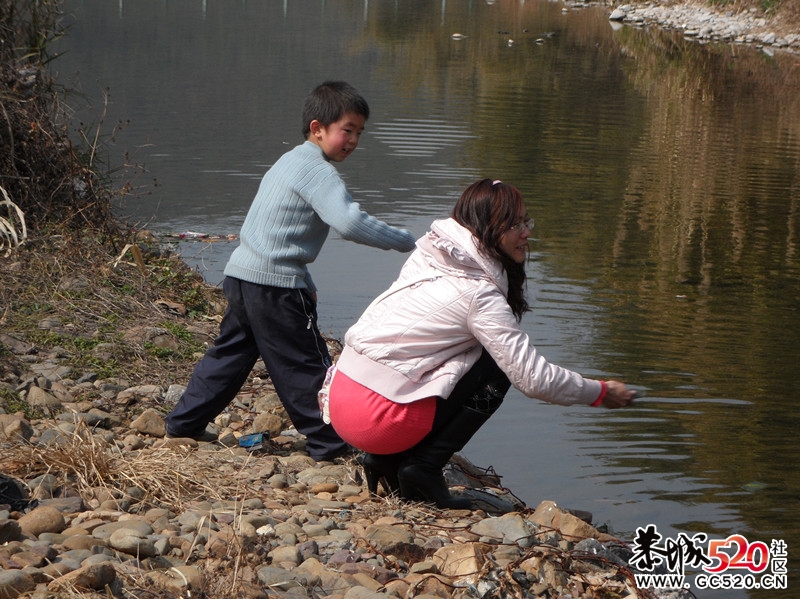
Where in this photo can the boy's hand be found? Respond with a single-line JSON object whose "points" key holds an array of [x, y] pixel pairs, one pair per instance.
{"points": [[617, 395]]}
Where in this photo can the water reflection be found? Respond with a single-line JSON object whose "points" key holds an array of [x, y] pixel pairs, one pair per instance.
{"points": [[420, 138], [663, 176]]}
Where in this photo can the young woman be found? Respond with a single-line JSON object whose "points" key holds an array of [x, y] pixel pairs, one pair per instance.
{"points": [[432, 358]]}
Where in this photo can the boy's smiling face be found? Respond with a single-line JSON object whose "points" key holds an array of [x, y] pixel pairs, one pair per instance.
{"points": [[339, 139]]}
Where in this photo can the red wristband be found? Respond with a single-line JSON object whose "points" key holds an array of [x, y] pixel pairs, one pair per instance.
{"points": [[602, 396]]}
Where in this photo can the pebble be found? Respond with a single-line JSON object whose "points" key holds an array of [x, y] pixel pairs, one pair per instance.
{"points": [[108, 504]]}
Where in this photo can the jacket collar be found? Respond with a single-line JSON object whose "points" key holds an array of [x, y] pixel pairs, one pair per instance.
{"points": [[451, 248]]}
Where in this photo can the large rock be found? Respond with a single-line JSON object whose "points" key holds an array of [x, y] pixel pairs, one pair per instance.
{"points": [[13, 493], [131, 542], [550, 515], [510, 528], [91, 576], [9, 531], [39, 398], [150, 423], [177, 580], [14, 583], [268, 423], [42, 519], [461, 561], [385, 537], [15, 428]]}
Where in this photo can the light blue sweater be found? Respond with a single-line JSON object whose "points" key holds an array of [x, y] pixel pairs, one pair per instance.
{"points": [[299, 200]]}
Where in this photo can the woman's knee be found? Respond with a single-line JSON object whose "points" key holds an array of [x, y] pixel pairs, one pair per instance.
{"points": [[488, 399]]}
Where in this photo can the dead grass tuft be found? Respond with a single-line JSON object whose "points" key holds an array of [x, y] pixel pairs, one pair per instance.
{"points": [[13, 230], [93, 298], [86, 462]]}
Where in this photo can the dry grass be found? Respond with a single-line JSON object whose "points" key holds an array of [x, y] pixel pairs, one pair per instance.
{"points": [[171, 477], [13, 231], [92, 298], [86, 462], [57, 186], [176, 478]]}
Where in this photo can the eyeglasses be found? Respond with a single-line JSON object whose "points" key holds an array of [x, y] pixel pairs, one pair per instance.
{"points": [[518, 228]]}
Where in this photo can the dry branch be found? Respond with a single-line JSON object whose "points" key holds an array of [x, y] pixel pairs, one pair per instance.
{"points": [[13, 231]]}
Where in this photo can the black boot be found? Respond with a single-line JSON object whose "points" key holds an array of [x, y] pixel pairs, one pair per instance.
{"points": [[476, 396], [383, 469], [420, 475]]}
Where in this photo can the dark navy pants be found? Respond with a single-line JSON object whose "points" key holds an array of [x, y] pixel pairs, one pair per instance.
{"points": [[280, 325]]}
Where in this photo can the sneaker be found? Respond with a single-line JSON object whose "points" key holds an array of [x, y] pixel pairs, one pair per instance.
{"points": [[206, 436]]}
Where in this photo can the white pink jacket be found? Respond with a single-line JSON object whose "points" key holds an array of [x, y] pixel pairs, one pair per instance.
{"points": [[428, 329]]}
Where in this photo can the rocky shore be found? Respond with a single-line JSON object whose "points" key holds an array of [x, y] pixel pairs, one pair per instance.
{"points": [[707, 23], [95, 501]]}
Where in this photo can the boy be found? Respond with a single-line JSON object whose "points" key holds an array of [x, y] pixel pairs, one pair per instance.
{"points": [[271, 298]]}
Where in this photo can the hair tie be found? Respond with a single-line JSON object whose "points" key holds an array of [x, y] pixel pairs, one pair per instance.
{"points": [[496, 181]]}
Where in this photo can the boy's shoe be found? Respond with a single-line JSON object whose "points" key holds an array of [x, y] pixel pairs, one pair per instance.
{"points": [[206, 436]]}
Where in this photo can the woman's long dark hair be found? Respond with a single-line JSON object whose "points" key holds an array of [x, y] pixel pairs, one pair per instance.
{"points": [[489, 209]]}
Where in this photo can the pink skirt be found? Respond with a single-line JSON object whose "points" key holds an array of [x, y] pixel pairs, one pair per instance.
{"points": [[372, 423]]}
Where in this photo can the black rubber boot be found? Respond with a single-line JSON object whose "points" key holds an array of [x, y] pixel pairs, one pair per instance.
{"points": [[476, 396], [420, 475], [383, 469]]}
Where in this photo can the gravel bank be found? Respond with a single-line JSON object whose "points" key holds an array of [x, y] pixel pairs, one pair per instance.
{"points": [[706, 23], [98, 502]]}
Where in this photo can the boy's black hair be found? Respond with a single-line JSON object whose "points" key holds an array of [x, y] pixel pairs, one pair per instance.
{"points": [[329, 101]]}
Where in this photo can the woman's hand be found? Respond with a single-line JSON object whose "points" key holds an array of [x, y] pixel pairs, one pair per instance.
{"points": [[617, 395]]}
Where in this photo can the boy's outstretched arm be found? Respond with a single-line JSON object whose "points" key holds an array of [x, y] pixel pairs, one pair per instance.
{"points": [[336, 207]]}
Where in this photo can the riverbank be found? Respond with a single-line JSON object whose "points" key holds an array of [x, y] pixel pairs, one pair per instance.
{"points": [[95, 349], [741, 22], [98, 336]]}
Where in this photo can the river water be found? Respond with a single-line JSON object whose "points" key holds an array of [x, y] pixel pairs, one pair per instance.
{"points": [[664, 177]]}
